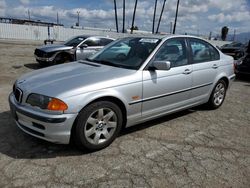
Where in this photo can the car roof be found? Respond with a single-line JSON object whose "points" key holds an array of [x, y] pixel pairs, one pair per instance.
{"points": [[166, 36]]}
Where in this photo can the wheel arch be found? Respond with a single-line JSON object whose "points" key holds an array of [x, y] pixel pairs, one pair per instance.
{"points": [[113, 99], [65, 54], [226, 80]]}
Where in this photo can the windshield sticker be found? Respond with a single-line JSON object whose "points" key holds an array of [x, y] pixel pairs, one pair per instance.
{"points": [[80, 38], [148, 40]]}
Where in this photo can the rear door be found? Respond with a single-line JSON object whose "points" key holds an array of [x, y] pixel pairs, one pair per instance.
{"points": [[205, 59], [166, 90]]}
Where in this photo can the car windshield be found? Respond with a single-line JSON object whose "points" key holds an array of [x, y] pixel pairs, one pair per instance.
{"points": [[127, 53], [74, 41]]}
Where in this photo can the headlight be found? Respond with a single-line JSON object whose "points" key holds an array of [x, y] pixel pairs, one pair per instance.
{"points": [[45, 102]]}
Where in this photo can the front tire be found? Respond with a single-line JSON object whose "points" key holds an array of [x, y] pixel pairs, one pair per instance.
{"points": [[218, 95], [98, 125]]}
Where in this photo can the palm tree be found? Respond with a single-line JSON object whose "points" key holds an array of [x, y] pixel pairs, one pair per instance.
{"points": [[133, 20], [157, 30], [116, 21], [176, 15], [123, 25], [153, 28]]}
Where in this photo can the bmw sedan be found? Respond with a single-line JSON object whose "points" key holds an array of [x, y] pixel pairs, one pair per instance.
{"points": [[130, 81]]}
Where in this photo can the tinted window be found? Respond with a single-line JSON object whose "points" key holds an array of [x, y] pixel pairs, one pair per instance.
{"points": [[92, 42], [173, 50], [105, 41], [202, 51]]}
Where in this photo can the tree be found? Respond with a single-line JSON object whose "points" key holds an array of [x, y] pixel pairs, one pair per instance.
{"points": [[224, 32]]}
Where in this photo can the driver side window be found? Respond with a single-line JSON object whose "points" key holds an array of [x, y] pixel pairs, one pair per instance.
{"points": [[173, 50]]}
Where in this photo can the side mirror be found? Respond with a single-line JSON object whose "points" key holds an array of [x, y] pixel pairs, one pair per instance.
{"points": [[83, 46], [160, 65]]}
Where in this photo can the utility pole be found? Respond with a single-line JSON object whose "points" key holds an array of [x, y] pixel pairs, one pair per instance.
{"points": [[133, 20], [116, 21], [57, 18], [29, 14], [176, 15], [153, 28], [234, 34], [123, 24], [78, 13], [157, 30], [171, 26]]}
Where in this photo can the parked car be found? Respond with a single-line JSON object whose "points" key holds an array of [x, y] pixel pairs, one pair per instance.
{"points": [[79, 47], [234, 49], [242, 65], [148, 77]]}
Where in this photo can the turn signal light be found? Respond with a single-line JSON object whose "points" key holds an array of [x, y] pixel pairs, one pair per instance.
{"points": [[56, 104]]}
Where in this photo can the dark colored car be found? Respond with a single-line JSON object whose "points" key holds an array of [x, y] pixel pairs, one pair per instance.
{"points": [[76, 48], [242, 66], [234, 49]]}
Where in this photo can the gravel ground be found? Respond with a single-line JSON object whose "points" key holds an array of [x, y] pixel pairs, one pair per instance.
{"points": [[193, 148]]}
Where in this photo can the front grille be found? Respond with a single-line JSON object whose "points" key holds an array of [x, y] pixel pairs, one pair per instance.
{"points": [[18, 94], [40, 53]]}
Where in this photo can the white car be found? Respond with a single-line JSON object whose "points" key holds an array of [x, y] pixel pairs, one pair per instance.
{"points": [[128, 82]]}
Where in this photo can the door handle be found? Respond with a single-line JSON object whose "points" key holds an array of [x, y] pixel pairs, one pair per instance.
{"points": [[187, 71], [215, 66]]}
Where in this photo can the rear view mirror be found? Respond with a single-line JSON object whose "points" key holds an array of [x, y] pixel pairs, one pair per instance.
{"points": [[160, 65]]}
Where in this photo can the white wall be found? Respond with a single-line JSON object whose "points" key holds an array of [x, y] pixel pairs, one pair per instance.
{"points": [[15, 31], [31, 32]]}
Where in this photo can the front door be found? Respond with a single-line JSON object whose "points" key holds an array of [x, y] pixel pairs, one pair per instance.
{"points": [[167, 90]]}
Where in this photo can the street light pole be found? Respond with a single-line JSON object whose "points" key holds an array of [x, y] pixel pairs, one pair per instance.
{"points": [[176, 15]]}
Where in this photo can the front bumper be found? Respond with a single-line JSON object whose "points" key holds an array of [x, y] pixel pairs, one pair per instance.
{"points": [[49, 127], [45, 59]]}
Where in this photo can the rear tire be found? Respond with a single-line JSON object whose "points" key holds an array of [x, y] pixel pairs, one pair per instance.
{"points": [[97, 125], [218, 95]]}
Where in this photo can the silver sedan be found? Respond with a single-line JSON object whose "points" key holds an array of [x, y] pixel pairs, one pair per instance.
{"points": [[130, 81]]}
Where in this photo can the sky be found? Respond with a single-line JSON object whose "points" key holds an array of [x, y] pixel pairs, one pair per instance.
{"points": [[198, 17]]}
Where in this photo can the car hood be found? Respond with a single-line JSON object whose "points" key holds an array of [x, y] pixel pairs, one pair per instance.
{"points": [[54, 47], [74, 78]]}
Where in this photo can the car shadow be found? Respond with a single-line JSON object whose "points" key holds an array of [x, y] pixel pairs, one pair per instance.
{"points": [[154, 122], [19, 145], [33, 66], [243, 78]]}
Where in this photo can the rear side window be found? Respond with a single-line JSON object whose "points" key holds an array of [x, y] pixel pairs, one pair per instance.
{"points": [[203, 51]]}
